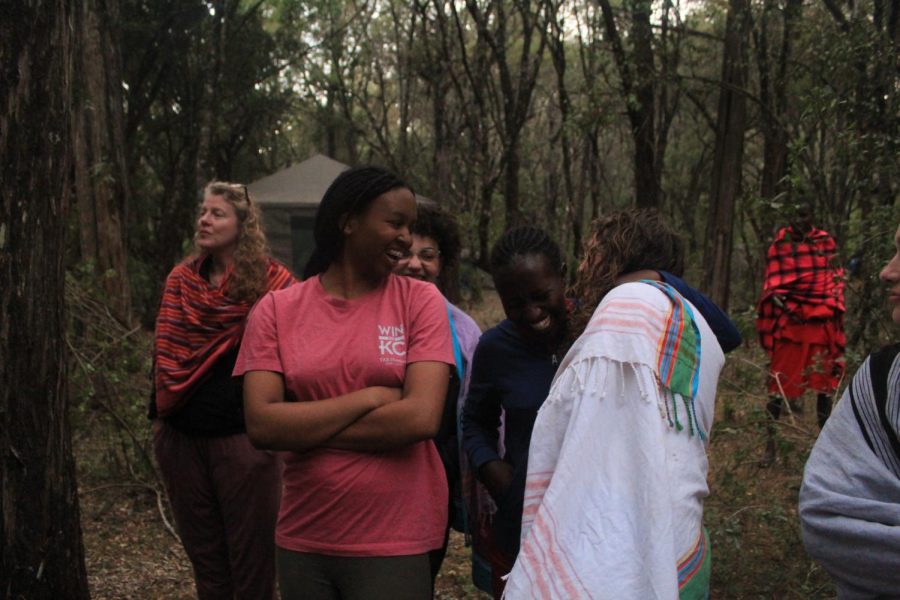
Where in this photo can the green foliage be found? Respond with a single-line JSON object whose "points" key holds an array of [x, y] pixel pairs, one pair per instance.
{"points": [[204, 98], [751, 513], [109, 383], [237, 90]]}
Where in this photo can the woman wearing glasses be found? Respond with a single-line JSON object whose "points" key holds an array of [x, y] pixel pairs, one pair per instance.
{"points": [[223, 492], [434, 257]]}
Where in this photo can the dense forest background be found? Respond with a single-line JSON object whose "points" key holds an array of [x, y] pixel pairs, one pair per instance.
{"points": [[722, 114]]}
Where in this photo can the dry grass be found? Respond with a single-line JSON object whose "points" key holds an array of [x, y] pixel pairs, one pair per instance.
{"points": [[129, 552], [130, 555], [751, 512]]}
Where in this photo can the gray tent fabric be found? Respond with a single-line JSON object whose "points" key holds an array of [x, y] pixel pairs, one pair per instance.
{"points": [[288, 200], [302, 184], [850, 497]]}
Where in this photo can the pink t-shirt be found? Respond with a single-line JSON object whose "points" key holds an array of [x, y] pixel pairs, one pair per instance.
{"points": [[340, 502]]}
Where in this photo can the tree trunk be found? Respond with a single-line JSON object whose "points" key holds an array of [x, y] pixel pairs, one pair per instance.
{"points": [[646, 177], [574, 209], [210, 77], [516, 80], [484, 229], [729, 152], [593, 169], [42, 554], [329, 122], [639, 92], [647, 164], [773, 82], [514, 217], [440, 160], [101, 173]]}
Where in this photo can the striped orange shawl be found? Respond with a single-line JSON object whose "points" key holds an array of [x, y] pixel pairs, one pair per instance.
{"points": [[197, 324]]}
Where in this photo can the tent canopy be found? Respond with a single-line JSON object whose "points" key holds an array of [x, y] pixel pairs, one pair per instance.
{"points": [[302, 184], [288, 200]]}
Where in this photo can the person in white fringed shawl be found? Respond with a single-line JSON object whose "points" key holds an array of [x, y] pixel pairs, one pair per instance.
{"points": [[617, 464]]}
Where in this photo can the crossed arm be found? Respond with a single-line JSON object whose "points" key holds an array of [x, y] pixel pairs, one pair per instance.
{"points": [[368, 420]]}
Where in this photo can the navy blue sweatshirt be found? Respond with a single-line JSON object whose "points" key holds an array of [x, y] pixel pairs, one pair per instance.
{"points": [[514, 374]]}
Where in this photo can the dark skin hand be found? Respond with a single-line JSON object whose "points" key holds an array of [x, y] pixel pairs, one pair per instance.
{"points": [[496, 476]]}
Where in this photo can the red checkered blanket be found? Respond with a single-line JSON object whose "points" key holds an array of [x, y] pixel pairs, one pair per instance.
{"points": [[801, 283]]}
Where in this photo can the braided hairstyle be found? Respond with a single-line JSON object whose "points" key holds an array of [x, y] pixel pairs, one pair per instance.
{"points": [[514, 249], [440, 226], [620, 243], [525, 241], [350, 194]]}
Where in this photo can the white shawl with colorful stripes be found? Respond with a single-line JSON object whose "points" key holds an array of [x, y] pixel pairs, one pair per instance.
{"points": [[617, 465]]}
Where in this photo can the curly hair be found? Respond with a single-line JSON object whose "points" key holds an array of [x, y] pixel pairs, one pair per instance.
{"points": [[248, 279], [349, 194], [620, 243], [440, 226]]}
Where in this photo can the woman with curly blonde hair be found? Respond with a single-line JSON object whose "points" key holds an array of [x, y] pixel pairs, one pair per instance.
{"points": [[250, 257], [617, 463], [635, 242], [223, 492]]}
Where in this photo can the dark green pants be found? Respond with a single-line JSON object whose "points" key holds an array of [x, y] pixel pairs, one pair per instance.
{"points": [[304, 576]]}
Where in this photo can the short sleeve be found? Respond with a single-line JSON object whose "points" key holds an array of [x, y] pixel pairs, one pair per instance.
{"points": [[429, 336], [259, 347]]}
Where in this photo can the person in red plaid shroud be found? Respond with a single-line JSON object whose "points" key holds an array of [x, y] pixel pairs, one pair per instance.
{"points": [[801, 318]]}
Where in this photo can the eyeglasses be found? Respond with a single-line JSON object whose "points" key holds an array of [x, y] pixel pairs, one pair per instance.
{"points": [[425, 255], [247, 195]]}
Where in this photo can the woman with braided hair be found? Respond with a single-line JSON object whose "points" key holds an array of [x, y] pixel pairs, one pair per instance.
{"points": [[223, 492], [513, 365], [346, 372]]}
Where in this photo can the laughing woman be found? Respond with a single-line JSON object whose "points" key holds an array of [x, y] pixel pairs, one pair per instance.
{"points": [[224, 492], [512, 368], [515, 363], [347, 371]]}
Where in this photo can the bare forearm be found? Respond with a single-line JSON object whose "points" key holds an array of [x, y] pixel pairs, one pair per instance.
{"points": [[300, 426], [397, 424], [414, 417]]}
